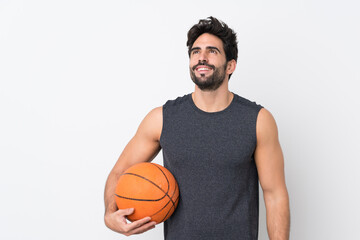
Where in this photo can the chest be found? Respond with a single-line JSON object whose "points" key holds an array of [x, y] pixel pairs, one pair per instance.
{"points": [[218, 142]]}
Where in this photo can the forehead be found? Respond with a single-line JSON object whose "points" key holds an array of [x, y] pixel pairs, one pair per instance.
{"points": [[207, 39]]}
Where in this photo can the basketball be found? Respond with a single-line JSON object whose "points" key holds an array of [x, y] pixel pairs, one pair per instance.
{"points": [[150, 189]]}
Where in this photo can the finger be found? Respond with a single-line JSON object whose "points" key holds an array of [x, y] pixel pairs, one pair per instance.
{"points": [[138, 223], [122, 219], [125, 212], [144, 228]]}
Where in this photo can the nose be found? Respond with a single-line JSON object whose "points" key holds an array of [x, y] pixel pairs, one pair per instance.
{"points": [[203, 58], [202, 62]]}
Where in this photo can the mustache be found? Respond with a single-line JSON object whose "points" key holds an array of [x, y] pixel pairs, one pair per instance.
{"points": [[203, 64]]}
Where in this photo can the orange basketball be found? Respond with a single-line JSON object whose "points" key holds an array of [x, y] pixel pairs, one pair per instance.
{"points": [[148, 188]]}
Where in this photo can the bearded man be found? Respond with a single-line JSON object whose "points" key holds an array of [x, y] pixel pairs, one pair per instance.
{"points": [[218, 145]]}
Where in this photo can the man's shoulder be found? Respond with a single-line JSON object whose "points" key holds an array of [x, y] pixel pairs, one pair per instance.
{"points": [[244, 102], [177, 101]]}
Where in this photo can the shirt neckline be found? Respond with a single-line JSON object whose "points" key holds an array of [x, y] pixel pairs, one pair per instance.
{"points": [[191, 101]]}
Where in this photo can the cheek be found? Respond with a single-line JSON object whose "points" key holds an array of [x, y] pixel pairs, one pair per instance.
{"points": [[194, 58], [192, 63]]}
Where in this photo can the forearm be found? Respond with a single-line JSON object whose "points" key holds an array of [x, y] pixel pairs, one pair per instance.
{"points": [[109, 199], [277, 215]]}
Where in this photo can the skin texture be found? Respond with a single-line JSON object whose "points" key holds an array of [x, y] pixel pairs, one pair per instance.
{"points": [[144, 146], [270, 165]]}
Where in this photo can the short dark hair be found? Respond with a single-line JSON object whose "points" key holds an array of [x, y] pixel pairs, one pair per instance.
{"points": [[218, 28]]}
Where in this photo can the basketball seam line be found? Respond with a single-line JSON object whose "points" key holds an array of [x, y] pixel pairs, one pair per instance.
{"points": [[136, 199], [173, 204], [166, 193], [170, 209], [168, 184], [167, 204]]}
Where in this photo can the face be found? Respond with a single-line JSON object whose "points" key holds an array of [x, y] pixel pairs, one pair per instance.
{"points": [[208, 62]]}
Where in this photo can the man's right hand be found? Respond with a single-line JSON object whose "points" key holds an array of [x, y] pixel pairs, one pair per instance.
{"points": [[116, 221]]}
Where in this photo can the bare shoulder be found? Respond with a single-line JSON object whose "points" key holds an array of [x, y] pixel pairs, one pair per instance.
{"points": [[151, 125], [154, 118], [155, 114], [266, 128]]}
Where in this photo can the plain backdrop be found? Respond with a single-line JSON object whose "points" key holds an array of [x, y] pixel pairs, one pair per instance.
{"points": [[77, 77]]}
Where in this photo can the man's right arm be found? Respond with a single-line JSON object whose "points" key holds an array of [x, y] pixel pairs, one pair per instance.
{"points": [[143, 147]]}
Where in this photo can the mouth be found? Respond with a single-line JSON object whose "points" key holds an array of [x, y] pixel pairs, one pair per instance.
{"points": [[203, 69]]}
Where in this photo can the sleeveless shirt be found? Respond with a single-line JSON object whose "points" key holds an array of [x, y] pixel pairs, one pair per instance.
{"points": [[211, 155]]}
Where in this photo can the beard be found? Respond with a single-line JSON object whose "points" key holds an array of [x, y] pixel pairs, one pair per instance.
{"points": [[212, 82]]}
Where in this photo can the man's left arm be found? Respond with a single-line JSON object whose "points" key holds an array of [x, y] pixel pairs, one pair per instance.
{"points": [[270, 165]]}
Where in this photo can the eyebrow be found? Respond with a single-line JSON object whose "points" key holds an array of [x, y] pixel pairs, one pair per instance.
{"points": [[213, 48], [208, 47]]}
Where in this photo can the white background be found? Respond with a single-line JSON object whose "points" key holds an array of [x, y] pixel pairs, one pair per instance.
{"points": [[77, 77]]}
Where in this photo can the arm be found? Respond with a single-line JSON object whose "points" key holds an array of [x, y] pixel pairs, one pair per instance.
{"points": [[270, 164], [144, 146]]}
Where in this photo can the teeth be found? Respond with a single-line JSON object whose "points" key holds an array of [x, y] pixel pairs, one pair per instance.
{"points": [[203, 69]]}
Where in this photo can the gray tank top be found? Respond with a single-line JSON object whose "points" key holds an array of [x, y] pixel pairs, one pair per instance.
{"points": [[211, 156]]}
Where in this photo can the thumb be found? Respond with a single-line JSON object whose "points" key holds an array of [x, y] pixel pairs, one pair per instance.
{"points": [[127, 211]]}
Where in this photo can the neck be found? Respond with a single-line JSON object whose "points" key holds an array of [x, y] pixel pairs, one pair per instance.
{"points": [[212, 101]]}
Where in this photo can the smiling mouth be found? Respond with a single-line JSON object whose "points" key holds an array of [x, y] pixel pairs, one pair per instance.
{"points": [[203, 67], [203, 70]]}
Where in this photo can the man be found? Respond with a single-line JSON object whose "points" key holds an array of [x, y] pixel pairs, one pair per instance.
{"points": [[218, 145]]}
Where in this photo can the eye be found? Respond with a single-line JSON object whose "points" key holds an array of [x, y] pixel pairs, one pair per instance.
{"points": [[195, 52], [212, 51]]}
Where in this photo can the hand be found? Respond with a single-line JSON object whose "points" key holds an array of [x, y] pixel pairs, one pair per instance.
{"points": [[116, 221]]}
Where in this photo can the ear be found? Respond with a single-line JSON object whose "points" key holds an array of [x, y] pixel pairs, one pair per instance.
{"points": [[231, 65]]}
